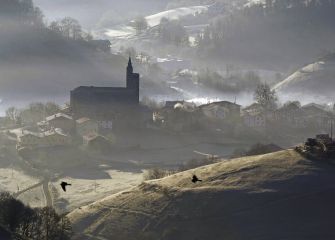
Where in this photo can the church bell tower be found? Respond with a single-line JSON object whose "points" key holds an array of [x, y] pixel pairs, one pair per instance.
{"points": [[133, 79], [130, 72]]}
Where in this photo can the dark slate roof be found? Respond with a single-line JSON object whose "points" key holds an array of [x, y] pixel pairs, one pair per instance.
{"points": [[99, 89]]}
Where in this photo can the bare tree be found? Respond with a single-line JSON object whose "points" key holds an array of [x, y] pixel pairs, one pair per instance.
{"points": [[13, 114], [68, 27]]}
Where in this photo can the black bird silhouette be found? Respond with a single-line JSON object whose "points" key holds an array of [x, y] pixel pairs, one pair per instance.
{"points": [[63, 185], [195, 179]]}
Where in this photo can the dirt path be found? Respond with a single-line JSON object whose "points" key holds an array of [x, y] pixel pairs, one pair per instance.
{"points": [[17, 194], [47, 193]]}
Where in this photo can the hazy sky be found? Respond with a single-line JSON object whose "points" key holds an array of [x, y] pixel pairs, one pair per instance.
{"points": [[89, 12]]}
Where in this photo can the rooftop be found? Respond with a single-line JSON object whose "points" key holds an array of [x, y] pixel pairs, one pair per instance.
{"points": [[91, 137], [83, 120], [221, 103], [58, 115]]}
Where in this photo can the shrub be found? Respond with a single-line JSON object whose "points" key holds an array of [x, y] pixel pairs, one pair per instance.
{"points": [[156, 173]]}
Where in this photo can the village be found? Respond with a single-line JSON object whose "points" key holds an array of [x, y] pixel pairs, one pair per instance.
{"points": [[62, 129], [102, 118]]}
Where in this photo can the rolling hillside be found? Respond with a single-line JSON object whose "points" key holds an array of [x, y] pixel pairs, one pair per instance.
{"points": [[275, 196], [312, 83]]}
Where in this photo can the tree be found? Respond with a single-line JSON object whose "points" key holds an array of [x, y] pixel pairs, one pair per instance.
{"points": [[49, 223], [21, 11], [55, 27], [11, 211], [37, 111], [266, 97], [296, 103], [51, 108], [13, 114], [173, 32], [68, 27], [141, 24]]}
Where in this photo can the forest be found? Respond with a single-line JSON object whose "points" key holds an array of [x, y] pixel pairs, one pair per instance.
{"points": [[281, 32]]}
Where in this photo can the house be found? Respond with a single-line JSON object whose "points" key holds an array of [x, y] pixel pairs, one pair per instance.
{"points": [[43, 126], [66, 109], [105, 125], [55, 137], [254, 116], [313, 109], [85, 126], [317, 116], [256, 120], [96, 142], [62, 121], [29, 139], [51, 138], [223, 110], [181, 117], [291, 115]]}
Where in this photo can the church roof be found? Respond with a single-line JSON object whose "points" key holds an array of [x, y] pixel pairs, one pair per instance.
{"points": [[99, 89]]}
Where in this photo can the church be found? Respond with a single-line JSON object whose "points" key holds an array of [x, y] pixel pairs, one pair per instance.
{"points": [[106, 103]]}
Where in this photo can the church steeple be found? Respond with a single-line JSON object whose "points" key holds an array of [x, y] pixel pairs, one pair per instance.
{"points": [[130, 66], [132, 78]]}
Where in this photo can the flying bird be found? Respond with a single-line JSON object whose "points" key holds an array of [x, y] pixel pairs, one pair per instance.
{"points": [[63, 185], [195, 179]]}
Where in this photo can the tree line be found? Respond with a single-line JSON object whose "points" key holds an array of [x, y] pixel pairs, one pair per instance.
{"points": [[168, 31], [24, 31], [33, 113], [278, 30]]}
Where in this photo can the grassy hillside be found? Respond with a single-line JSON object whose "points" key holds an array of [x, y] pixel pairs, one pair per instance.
{"points": [[274, 196]]}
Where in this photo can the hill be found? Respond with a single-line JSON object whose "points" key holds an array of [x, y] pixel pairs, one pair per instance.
{"points": [[272, 34], [274, 196], [38, 62], [312, 83]]}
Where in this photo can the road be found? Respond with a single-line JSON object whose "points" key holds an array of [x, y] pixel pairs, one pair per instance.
{"points": [[47, 193]]}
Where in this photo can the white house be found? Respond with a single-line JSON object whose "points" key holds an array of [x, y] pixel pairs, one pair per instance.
{"points": [[56, 137], [223, 110], [61, 120]]}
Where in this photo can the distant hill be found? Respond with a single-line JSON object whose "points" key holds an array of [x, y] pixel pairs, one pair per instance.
{"points": [[312, 83], [38, 63], [272, 33], [274, 196], [90, 13]]}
